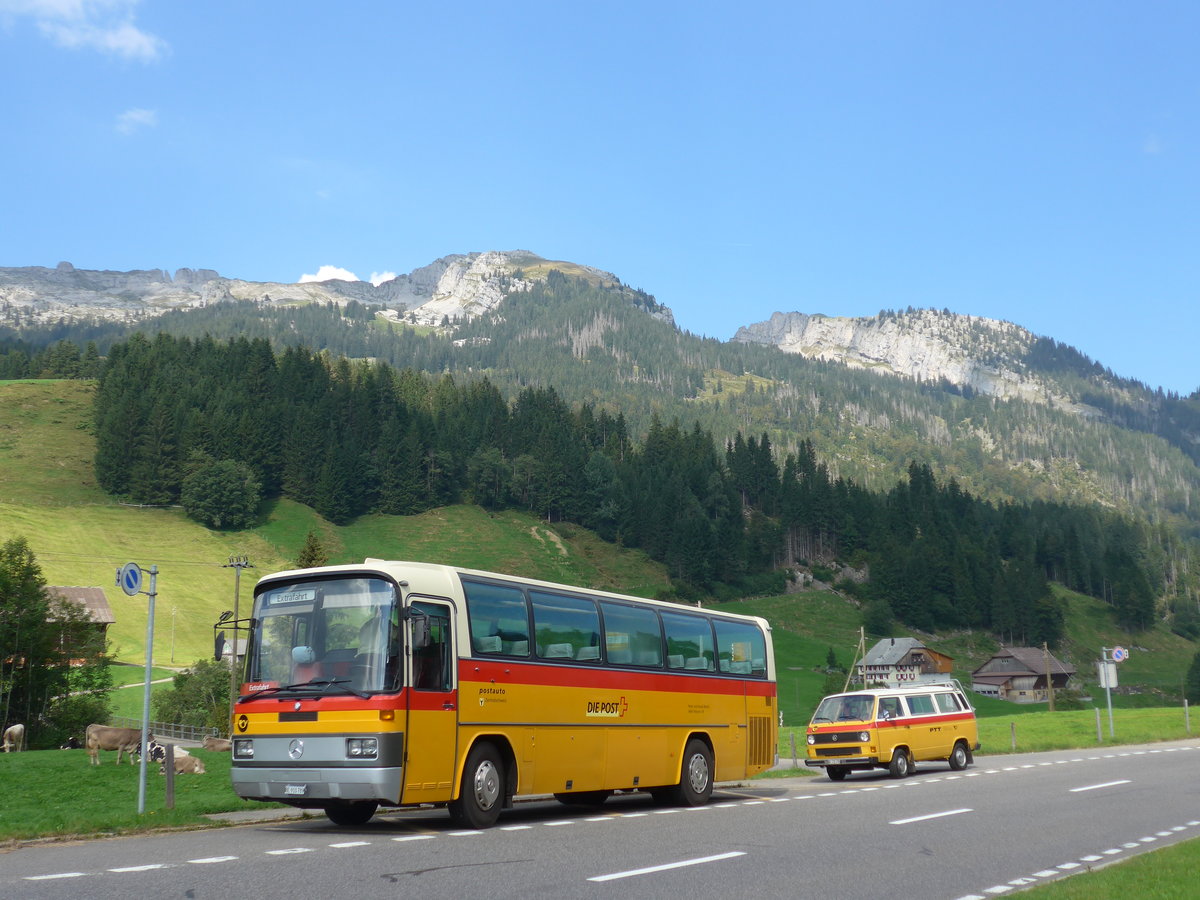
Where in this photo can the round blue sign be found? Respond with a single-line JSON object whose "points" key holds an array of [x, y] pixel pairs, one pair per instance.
{"points": [[130, 578], [1120, 654]]}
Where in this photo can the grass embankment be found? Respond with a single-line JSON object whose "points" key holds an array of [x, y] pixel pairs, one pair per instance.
{"points": [[58, 792], [1166, 874]]}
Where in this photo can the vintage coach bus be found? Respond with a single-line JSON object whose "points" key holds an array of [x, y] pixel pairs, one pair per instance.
{"points": [[403, 683]]}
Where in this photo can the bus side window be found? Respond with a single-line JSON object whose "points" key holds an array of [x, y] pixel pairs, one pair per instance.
{"points": [[499, 618]]}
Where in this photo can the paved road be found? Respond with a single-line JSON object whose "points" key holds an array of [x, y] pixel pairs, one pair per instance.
{"points": [[1003, 824]]}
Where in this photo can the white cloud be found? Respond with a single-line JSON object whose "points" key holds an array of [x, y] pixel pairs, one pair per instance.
{"points": [[329, 273], [136, 119], [1152, 145], [103, 25], [378, 278]]}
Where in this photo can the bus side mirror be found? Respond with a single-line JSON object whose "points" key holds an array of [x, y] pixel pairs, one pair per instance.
{"points": [[219, 646], [420, 632]]}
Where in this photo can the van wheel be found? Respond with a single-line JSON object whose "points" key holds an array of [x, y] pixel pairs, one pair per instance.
{"points": [[482, 791], [837, 773], [959, 757], [901, 765]]}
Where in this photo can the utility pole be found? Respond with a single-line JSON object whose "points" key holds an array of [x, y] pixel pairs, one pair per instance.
{"points": [[1049, 677], [237, 563]]}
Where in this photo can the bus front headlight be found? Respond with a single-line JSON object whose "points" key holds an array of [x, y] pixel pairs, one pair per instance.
{"points": [[243, 748], [362, 748]]}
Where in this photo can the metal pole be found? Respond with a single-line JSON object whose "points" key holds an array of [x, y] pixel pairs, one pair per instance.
{"points": [[237, 563], [146, 692]]}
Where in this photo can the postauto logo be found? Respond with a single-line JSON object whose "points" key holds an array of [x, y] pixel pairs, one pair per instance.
{"points": [[606, 709]]}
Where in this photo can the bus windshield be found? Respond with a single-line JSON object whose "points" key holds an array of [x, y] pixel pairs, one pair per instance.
{"points": [[336, 635]]}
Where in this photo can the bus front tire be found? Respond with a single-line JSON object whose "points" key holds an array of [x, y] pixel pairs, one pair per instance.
{"points": [[695, 776], [351, 814], [837, 773], [481, 794]]}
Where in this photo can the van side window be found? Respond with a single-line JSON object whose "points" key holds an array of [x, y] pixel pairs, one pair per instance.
{"points": [[948, 703], [920, 704], [889, 708]]}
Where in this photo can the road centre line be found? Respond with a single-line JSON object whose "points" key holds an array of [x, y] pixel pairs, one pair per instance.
{"points": [[648, 870], [212, 859], [1093, 787], [949, 812]]}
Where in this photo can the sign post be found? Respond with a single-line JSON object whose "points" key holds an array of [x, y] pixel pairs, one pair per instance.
{"points": [[129, 579], [1107, 670]]}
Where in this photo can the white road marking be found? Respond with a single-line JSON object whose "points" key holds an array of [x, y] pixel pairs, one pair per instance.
{"points": [[949, 812], [414, 837], [57, 875], [289, 850], [1092, 787], [145, 868], [351, 844], [212, 859], [666, 866]]}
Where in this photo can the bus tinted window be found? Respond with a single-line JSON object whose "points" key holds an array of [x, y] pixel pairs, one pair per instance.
{"points": [[689, 642], [741, 648], [499, 619], [565, 627], [631, 635]]}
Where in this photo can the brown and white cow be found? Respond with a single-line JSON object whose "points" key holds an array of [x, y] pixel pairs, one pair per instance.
{"points": [[106, 737], [183, 764], [221, 745], [14, 738]]}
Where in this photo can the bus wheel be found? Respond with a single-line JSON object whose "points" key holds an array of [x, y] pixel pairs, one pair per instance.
{"points": [[482, 792], [837, 773], [583, 798], [901, 765], [696, 775], [350, 814], [959, 757]]}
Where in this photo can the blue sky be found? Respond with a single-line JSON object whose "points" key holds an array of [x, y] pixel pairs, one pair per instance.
{"points": [[1029, 161]]}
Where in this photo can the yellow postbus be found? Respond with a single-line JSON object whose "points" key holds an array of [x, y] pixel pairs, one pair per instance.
{"points": [[404, 683]]}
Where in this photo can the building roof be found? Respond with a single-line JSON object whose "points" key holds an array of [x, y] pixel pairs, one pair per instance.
{"points": [[1028, 661], [90, 599], [890, 651]]}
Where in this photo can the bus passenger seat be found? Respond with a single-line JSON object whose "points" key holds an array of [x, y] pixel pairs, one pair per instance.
{"points": [[696, 662], [675, 661], [558, 651], [489, 644], [588, 653]]}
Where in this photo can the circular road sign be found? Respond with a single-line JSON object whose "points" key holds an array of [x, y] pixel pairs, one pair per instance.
{"points": [[130, 579], [1120, 654]]}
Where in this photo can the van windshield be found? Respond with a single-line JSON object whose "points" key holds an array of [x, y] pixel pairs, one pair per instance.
{"points": [[854, 707]]}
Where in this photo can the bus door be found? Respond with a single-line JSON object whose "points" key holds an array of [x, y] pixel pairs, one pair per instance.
{"points": [[430, 739]]}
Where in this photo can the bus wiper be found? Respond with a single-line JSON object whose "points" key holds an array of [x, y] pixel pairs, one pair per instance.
{"points": [[821, 719], [323, 684]]}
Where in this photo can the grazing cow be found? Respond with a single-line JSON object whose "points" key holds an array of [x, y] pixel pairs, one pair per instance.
{"points": [[185, 764], [14, 738], [72, 743], [221, 745], [105, 737]]}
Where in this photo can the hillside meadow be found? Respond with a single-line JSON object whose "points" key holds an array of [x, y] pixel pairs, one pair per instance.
{"points": [[81, 536]]}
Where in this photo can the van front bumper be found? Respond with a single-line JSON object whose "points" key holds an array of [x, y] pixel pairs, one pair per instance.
{"points": [[842, 761]]}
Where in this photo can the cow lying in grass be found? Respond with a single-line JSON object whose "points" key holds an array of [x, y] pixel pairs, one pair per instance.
{"points": [[158, 752], [221, 745], [185, 764]]}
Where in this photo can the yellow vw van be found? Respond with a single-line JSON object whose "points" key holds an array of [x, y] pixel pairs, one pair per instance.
{"points": [[892, 728]]}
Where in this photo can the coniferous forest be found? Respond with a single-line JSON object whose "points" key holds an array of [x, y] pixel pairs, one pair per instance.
{"points": [[219, 425]]}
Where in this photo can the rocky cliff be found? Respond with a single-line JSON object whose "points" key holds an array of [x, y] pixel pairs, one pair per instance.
{"points": [[985, 355], [459, 286]]}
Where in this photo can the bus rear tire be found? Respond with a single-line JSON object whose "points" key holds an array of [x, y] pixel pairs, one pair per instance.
{"points": [[695, 776], [481, 794], [349, 815]]}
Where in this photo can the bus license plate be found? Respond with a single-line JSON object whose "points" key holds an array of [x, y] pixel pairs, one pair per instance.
{"points": [[295, 790]]}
